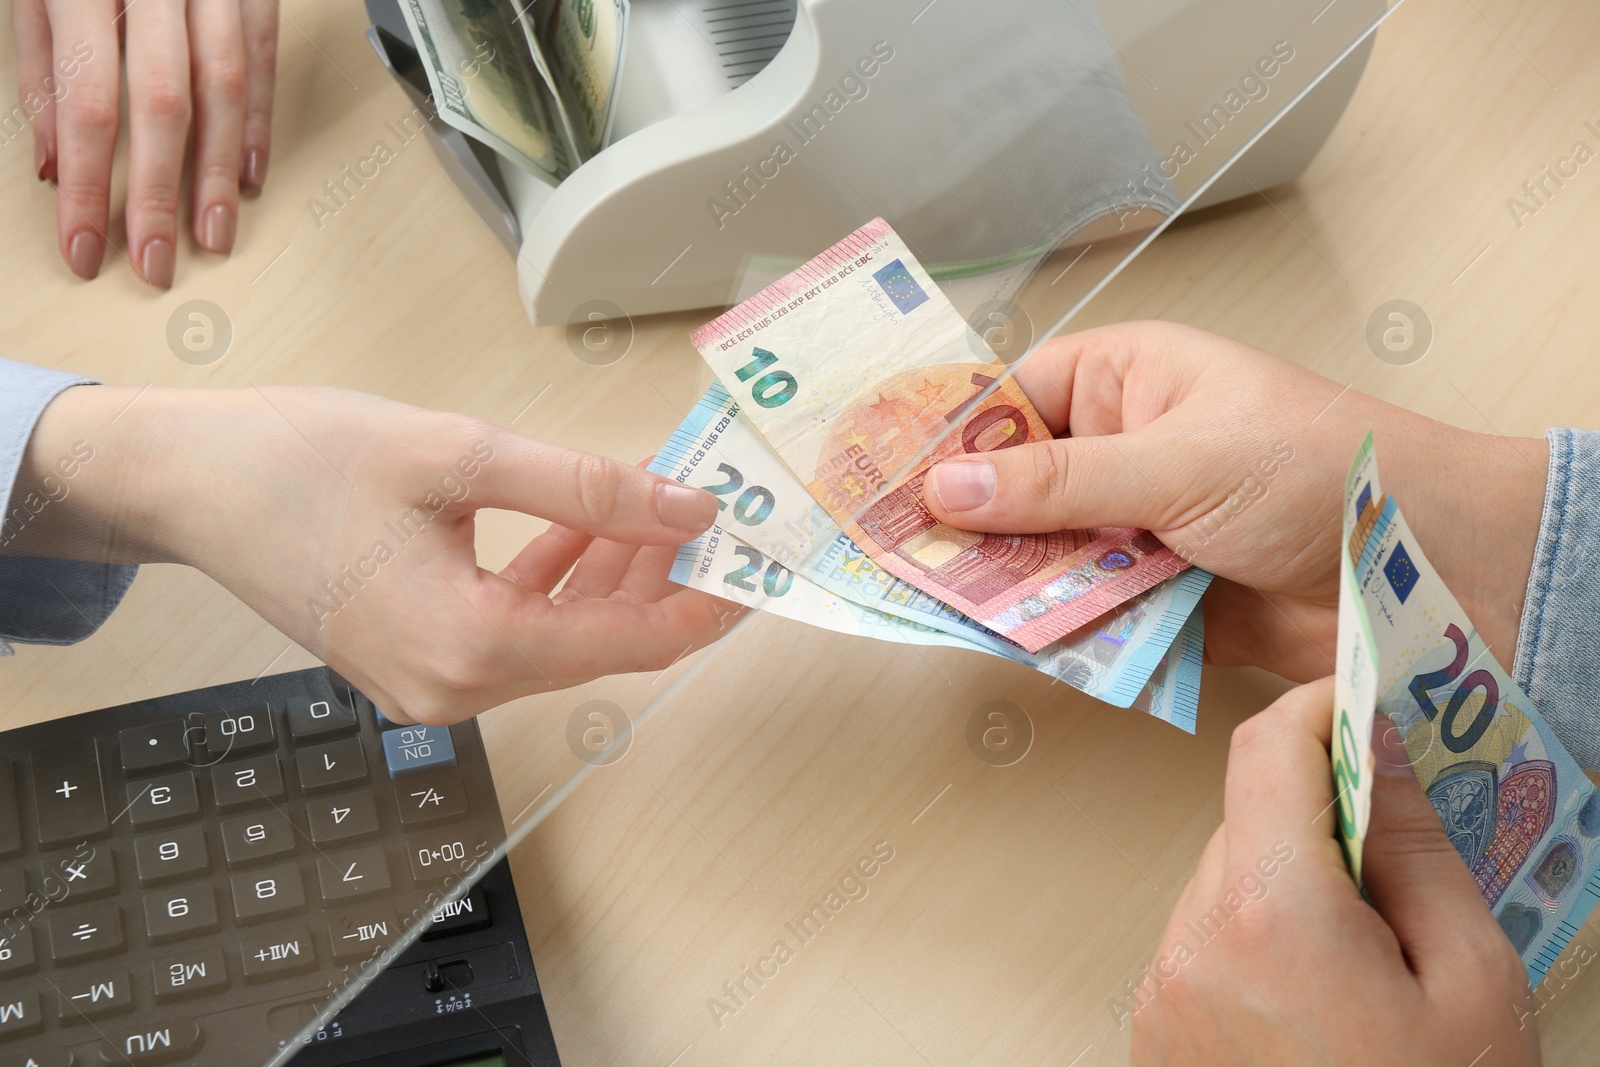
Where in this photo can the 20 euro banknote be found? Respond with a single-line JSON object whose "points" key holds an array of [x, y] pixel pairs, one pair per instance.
{"points": [[1092, 659], [1524, 817]]}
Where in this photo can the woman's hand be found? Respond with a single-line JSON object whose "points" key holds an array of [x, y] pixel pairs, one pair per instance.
{"points": [[1237, 460], [1272, 958], [209, 59], [346, 521]]}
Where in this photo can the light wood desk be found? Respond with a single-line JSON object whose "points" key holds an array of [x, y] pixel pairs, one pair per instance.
{"points": [[1018, 899]]}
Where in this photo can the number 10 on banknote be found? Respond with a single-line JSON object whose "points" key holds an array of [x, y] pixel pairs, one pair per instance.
{"points": [[860, 374]]}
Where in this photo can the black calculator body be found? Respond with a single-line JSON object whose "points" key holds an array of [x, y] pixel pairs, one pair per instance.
{"points": [[197, 879]]}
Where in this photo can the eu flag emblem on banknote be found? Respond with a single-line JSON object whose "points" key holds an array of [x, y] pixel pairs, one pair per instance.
{"points": [[901, 287], [1401, 572]]}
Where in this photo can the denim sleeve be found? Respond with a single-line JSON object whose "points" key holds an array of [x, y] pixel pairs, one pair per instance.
{"points": [[43, 601], [1558, 648]]}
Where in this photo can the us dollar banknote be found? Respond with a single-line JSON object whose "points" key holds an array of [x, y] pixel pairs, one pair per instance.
{"points": [[487, 82], [1522, 814], [584, 42], [860, 375]]}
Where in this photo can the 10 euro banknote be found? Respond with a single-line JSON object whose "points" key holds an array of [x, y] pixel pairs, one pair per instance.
{"points": [[859, 375]]}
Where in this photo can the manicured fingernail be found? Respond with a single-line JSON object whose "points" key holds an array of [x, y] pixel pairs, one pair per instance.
{"points": [[964, 484], [683, 508], [1388, 750], [41, 153], [254, 170], [158, 262], [216, 228], [85, 252]]}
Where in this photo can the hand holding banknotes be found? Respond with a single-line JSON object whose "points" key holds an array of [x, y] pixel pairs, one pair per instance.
{"points": [[1236, 460], [1271, 957], [347, 522], [214, 60]]}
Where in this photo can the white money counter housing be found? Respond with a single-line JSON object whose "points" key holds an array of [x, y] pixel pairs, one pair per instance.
{"points": [[750, 133]]}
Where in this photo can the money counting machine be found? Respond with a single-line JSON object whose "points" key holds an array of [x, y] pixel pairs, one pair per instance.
{"points": [[989, 134]]}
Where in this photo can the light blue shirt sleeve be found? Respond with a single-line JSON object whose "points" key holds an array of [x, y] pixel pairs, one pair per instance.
{"points": [[43, 601], [1558, 647]]}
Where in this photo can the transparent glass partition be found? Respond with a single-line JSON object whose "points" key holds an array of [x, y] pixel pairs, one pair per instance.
{"points": [[809, 778]]}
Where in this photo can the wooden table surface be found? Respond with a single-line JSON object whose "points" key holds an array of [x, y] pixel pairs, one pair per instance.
{"points": [[1017, 899]]}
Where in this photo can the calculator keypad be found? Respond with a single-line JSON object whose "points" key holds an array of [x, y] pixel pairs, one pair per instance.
{"points": [[183, 864]]}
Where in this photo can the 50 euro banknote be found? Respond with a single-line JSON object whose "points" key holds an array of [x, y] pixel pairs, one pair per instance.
{"points": [[1522, 814], [1093, 659], [766, 509], [860, 375]]}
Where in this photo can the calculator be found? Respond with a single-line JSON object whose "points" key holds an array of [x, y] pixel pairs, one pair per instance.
{"points": [[200, 879]]}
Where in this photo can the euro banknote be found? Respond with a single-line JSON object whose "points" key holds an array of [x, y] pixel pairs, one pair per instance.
{"points": [[486, 81], [1524, 817], [764, 506], [859, 374], [1092, 659]]}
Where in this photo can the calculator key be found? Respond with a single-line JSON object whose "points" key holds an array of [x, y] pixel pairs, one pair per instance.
{"points": [[335, 766], [254, 838], [315, 720], [13, 889], [147, 1042], [16, 951], [432, 797], [19, 1013], [67, 795], [200, 970], [94, 996], [157, 747], [246, 782], [88, 873], [360, 935], [240, 731], [174, 914], [268, 892], [344, 818], [85, 933], [43, 1057], [10, 822], [162, 801], [165, 857], [444, 853], [418, 748], [357, 873], [276, 954], [471, 912]]}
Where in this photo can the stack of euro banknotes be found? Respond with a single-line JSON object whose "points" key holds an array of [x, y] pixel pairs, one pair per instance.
{"points": [[839, 386], [535, 80]]}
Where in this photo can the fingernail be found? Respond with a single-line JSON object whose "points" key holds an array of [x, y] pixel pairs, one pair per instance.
{"points": [[964, 484], [159, 262], [254, 170], [1388, 750], [683, 508], [85, 253], [41, 153], [216, 228]]}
